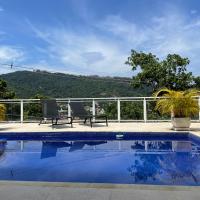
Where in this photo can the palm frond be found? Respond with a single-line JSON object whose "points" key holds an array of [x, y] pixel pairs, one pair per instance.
{"points": [[2, 112], [180, 103]]}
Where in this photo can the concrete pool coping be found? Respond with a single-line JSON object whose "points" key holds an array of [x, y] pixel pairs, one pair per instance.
{"points": [[76, 191], [101, 185]]}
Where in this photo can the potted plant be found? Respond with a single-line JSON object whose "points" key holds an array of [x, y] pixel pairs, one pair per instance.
{"points": [[2, 112], [182, 105]]}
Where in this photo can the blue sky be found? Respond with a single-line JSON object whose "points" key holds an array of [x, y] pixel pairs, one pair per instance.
{"points": [[96, 36]]}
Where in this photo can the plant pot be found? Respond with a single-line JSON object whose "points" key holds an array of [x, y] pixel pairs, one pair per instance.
{"points": [[181, 146], [181, 124]]}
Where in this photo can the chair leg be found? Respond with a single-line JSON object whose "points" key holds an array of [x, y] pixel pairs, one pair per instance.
{"points": [[52, 121], [85, 120], [40, 121], [71, 122], [106, 121], [91, 122]]}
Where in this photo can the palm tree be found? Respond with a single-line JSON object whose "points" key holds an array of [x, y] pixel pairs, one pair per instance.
{"points": [[2, 112], [178, 103]]}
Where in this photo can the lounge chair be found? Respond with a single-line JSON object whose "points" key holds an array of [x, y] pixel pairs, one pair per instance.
{"points": [[50, 112], [50, 148], [79, 111]]}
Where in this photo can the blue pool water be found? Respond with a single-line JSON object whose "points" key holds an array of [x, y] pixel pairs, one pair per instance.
{"points": [[164, 159]]}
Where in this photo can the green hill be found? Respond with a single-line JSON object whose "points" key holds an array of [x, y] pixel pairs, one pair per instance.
{"points": [[26, 84]]}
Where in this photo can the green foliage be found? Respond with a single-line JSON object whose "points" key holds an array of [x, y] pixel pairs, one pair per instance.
{"points": [[2, 112], [4, 92], [155, 114], [13, 111], [177, 103], [27, 84], [170, 72], [129, 110], [132, 110], [111, 110], [197, 82], [34, 110]]}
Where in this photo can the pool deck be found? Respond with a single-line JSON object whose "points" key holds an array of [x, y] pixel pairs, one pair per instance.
{"points": [[76, 191], [112, 127]]}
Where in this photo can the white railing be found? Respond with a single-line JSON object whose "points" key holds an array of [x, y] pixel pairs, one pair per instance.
{"points": [[119, 101]]}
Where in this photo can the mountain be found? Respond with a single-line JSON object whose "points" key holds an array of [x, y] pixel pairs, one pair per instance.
{"points": [[26, 84]]}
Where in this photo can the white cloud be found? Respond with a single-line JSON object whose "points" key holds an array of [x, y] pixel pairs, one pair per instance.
{"points": [[1, 9], [2, 33], [85, 53], [124, 29], [170, 33], [105, 54], [10, 54], [93, 57], [192, 12]]}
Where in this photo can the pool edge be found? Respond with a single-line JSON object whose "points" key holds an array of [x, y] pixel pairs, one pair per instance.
{"points": [[99, 185]]}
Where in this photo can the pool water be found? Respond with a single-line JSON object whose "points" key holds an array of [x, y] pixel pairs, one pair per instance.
{"points": [[141, 160]]}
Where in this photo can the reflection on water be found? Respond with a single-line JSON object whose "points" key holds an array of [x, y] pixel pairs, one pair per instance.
{"points": [[131, 161], [49, 149], [173, 168], [2, 148]]}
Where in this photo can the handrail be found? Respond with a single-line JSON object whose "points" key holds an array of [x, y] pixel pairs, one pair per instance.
{"points": [[87, 98]]}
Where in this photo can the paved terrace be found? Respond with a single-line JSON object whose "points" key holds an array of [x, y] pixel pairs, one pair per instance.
{"points": [[113, 127], [73, 191]]}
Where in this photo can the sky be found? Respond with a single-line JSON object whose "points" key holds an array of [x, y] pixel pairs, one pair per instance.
{"points": [[95, 37]]}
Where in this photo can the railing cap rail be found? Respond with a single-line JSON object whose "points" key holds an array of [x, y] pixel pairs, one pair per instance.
{"points": [[88, 98]]}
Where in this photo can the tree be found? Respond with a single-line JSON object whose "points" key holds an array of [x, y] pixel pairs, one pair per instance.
{"points": [[170, 72], [34, 110], [4, 92], [197, 82]]}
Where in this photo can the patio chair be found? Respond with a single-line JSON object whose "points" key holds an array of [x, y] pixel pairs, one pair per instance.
{"points": [[50, 112], [79, 111], [50, 148]]}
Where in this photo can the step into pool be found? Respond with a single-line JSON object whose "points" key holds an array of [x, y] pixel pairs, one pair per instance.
{"points": [[119, 158]]}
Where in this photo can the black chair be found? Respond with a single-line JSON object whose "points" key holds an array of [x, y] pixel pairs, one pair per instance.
{"points": [[79, 111], [49, 148], [50, 112]]}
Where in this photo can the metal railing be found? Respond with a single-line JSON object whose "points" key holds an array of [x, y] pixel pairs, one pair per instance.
{"points": [[144, 103]]}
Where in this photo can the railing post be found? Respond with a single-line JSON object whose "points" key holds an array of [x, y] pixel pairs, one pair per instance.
{"points": [[93, 108], [145, 110], [146, 145], [21, 111], [119, 145], [199, 106], [118, 110], [21, 145], [69, 109]]}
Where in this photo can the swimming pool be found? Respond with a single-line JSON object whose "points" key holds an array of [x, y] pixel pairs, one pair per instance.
{"points": [[126, 158]]}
